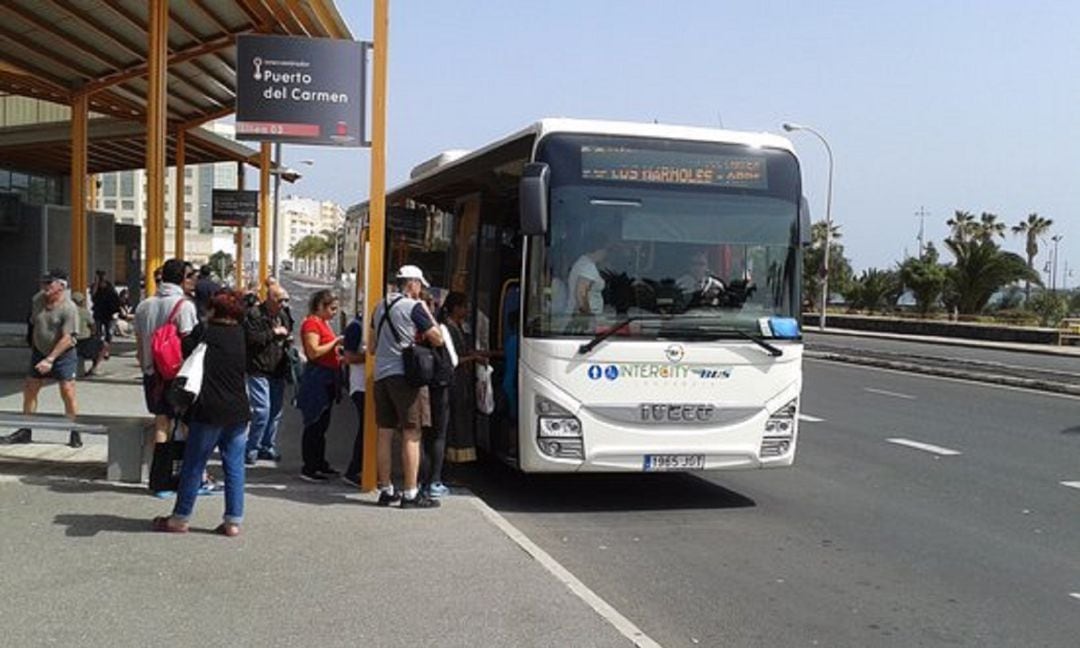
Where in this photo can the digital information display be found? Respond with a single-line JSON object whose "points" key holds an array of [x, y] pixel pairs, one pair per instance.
{"points": [[622, 164]]}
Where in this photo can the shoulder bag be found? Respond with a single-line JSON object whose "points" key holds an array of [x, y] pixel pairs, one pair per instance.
{"points": [[419, 360]]}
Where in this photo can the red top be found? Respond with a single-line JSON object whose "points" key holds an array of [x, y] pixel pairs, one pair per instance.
{"points": [[314, 324]]}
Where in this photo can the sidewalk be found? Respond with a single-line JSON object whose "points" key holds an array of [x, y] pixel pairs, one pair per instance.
{"points": [[316, 564]]}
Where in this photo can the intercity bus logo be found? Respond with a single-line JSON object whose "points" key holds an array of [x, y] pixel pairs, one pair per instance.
{"points": [[651, 371]]}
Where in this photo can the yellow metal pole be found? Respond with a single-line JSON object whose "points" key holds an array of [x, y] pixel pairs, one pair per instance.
{"points": [[376, 228], [91, 192], [155, 139], [178, 189], [79, 116], [264, 215]]}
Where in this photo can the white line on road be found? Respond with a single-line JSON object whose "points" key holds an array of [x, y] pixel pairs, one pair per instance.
{"points": [[1075, 595], [625, 626], [810, 419], [918, 445], [884, 392], [1071, 484]]}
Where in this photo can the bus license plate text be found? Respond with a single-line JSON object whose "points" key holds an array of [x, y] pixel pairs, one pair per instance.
{"points": [[654, 463]]}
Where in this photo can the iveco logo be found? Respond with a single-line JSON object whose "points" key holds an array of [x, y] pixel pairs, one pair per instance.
{"points": [[677, 412], [674, 353]]}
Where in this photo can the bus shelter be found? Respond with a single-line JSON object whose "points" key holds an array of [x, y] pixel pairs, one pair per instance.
{"points": [[140, 77]]}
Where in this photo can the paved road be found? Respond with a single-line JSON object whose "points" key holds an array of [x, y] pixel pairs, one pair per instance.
{"points": [[865, 542]]}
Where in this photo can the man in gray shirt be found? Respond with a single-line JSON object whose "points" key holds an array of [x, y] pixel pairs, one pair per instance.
{"points": [[397, 404], [54, 321]]}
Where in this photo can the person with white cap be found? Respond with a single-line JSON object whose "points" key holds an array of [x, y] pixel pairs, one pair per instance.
{"points": [[400, 321], [54, 325]]}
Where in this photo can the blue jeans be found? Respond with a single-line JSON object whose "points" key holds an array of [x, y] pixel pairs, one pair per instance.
{"points": [[267, 396], [201, 441]]}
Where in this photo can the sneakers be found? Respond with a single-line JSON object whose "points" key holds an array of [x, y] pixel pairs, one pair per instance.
{"points": [[269, 455], [327, 471], [165, 494], [22, 435], [438, 489], [351, 480], [386, 499], [75, 440], [314, 477], [250, 458], [421, 501]]}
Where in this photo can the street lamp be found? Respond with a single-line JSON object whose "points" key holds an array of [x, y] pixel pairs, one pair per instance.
{"points": [[1056, 238], [789, 127], [290, 175]]}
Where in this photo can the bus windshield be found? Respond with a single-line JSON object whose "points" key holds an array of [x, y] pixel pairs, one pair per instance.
{"points": [[701, 238]]}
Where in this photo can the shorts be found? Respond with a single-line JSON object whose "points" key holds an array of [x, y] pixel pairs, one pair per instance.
{"points": [[154, 393], [63, 368], [397, 404]]}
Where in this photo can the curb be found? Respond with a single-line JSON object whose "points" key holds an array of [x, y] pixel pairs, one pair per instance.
{"points": [[944, 372]]}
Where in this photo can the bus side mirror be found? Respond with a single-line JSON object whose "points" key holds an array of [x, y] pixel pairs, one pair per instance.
{"points": [[533, 197], [805, 238]]}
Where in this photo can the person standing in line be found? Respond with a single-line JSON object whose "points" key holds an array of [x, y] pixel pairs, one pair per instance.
{"points": [[354, 358], [266, 333], [217, 418], [461, 436], [170, 304], [54, 322], [319, 384], [397, 404], [90, 346], [106, 304], [205, 288], [434, 436]]}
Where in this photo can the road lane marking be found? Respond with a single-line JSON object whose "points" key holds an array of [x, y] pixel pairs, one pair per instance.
{"points": [[918, 445], [1075, 595], [810, 419], [884, 392], [1071, 484], [625, 626]]}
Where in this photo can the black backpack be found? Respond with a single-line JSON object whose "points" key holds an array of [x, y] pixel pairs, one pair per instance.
{"points": [[419, 360]]}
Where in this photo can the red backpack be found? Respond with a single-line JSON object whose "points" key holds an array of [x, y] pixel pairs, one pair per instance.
{"points": [[165, 346]]}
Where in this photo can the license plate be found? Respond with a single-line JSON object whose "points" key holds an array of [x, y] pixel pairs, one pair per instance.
{"points": [[654, 463]]}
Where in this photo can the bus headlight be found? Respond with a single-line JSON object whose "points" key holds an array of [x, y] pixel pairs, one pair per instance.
{"points": [[558, 432], [779, 430]]}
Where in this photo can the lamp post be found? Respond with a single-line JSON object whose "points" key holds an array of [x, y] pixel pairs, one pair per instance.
{"points": [[1056, 238], [789, 127], [291, 175]]}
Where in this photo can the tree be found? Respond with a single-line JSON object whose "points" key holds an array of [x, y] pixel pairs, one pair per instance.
{"points": [[813, 260], [309, 248], [962, 225], [874, 290], [925, 278], [989, 227], [222, 263], [1050, 307], [980, 269], [1031, 229]]}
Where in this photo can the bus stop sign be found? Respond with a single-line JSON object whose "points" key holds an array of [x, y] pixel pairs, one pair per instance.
{"points": [[300, 90]]}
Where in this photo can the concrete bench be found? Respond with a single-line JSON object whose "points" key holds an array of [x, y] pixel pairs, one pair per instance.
{"points": [[128, 449], [1068, 330]]}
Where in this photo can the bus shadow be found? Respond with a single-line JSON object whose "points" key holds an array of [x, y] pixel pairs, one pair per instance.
{"points": [[505, 489]]}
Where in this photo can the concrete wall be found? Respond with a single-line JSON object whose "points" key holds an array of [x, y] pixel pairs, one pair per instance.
{"points": [[937, 328]]}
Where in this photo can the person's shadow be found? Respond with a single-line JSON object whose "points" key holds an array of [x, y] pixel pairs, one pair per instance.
{"points": [[83, 525]]}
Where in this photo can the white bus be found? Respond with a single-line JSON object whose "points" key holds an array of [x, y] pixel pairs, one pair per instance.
{"points": [[637, 286]]}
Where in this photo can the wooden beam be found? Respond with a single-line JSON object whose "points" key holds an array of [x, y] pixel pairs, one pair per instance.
{"points": [[300, 15], [70, 40], [327, 21], [196, 121], [41, 73], [258, 14], [284, 18], [178, 56], [157, 49], [79, 126], [25, 85]]}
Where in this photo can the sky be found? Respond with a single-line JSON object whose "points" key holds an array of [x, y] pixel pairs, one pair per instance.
{"points": [[948, 105]]}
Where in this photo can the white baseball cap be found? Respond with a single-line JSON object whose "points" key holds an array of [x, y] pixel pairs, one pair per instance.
{"points": [[412, 272]]}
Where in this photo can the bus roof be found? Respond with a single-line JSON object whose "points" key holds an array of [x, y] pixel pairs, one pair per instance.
{"points": [[547, 126]]}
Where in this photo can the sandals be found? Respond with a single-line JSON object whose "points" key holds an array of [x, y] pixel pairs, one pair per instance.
{"points": [[228, 530], [161, 525]]}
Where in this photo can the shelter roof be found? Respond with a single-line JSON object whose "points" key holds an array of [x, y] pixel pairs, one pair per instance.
{"points": [[58, 49]]}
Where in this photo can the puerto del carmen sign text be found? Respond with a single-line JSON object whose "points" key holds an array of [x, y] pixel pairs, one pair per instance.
{"points": [[300, 90]]}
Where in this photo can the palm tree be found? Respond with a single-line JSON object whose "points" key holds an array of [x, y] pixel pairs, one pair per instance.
{"points": [[962, 224], [980, 270], [989, 226], [1034, 227], [817, 233]]}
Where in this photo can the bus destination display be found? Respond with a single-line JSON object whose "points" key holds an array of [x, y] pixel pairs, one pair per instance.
{"points": [[621, 164]]}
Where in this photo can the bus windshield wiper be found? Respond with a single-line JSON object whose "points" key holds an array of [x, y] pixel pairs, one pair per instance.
{"points": [[756, 339], [615, 328]]}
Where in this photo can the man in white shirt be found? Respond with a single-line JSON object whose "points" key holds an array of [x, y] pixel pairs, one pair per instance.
{"points": [[585, 283]]}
